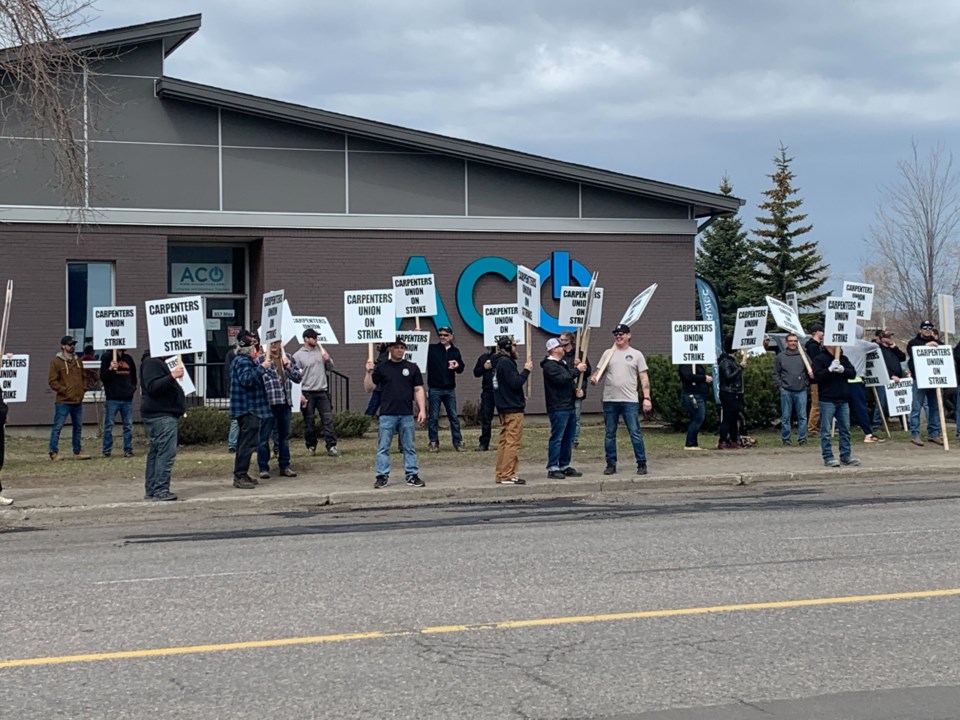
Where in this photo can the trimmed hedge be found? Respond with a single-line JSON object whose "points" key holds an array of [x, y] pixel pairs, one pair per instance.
{"points": [[345, 424], [761, 399], [203, 426]]}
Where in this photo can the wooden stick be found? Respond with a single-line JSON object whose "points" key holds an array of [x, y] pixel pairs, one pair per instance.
{"points": [[903, 419], [804, 357], [943, 420], [604, 362], [585, 348], [369, 352], [114, 354], [416, 320], [883, 415], [529, 338], [5, 324]]}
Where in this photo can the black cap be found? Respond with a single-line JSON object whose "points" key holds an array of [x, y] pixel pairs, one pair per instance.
{"points": [[309, 333], [927, 325], [505, 343], [621, 328], [817, 327], [445, 329], [397, 341], [68, 340], [245, 338]]}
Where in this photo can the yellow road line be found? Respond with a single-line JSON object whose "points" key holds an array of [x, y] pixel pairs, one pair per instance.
{"points": [[504, 625]]}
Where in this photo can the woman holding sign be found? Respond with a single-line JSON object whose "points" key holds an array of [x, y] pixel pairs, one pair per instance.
{"points": [[730, 373]]}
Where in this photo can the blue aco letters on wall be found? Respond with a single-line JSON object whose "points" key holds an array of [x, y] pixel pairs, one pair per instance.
{"points": [[559, 268]]}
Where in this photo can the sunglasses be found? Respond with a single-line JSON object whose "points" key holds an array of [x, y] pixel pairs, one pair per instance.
{"points": [[619, 334], [445, 335]]}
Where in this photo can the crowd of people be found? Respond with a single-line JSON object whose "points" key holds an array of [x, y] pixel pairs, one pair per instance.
{"points": [[820, 387]]}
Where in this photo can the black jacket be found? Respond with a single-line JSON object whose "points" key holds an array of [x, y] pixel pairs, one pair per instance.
{"points": [[572, 362], [508, 385], [893, 358], [160, 393], [439, 375], [559, 384], [921, 341], [486, 383], [731, 375], [833, 387], [120, 384], [693, 379], [813, 348]]}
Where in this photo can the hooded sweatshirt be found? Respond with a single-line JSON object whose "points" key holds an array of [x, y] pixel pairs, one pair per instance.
{"points": [[119, 384], [160, 393], [789, 372], [834, 387], [65, 378], [508, 385], [857, 353], [559, 383]]}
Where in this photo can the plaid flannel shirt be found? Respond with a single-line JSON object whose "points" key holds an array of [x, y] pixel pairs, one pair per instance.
{"points": [[247, 393], [278, 394]]}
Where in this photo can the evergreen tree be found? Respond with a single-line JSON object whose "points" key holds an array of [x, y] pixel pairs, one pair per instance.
{"points": [[725, 260], [784, 264]]}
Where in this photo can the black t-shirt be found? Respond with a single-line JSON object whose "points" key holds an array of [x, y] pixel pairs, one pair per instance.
{"points": [[397, 381]]}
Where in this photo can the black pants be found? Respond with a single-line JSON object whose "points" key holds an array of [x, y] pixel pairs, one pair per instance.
{"points": [[247, 442], [2, 448], [486, 416], [318, 400], [730, 406]]}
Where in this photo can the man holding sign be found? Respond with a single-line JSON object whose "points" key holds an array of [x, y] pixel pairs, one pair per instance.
{"points": [[924, 397], [832, 371], [315, 361], [444, 363], [118, 375], [162, 404]]}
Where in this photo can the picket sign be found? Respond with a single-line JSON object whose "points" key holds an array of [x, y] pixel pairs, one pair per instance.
{"points": [[5, 323], [693, 342], [271, 317], [416, 296], [417, 344], [749, 330], [899, 397], [948, 322], [875, 376], [176, 326], [501, 321], [934, 370], [528, 300], [863, 294], [114, 328], [186, 382], [369, 316], [14, 373]]}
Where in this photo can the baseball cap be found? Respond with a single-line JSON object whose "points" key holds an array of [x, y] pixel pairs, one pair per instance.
{"points": [[621, 328], [816, 328], [68, 340], [397, 341], [245, 338], [505, 343], [553, 343], [927, 325], [445, 329], [309, 333]]}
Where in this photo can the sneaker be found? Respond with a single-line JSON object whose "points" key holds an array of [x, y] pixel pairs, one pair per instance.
{"points": [[692, 447], [287, 472], [936, 440], [641, 468], [787, 443], [380, 482], [54, 456], [5, 500], [164, 496], [251, 480], [872, 439], [723, 445], [333, 452], [556, 475], [81, 456], [433, 447], [312, 450], [128, 453], [850, 462], [610, 470], [572, 472], [481, 448], [415, 481], [264, 475], [916, 441], [460, 448], [832, 462], [244, 483], [512, 481]]}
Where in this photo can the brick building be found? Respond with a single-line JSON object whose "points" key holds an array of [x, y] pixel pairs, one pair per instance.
{"points": [[196, 189]]}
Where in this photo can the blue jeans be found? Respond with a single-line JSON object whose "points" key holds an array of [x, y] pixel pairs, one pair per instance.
{"points": [[162, 451], [279, 425], [560, 447], [60, 412], [790, 401], [234, 434], [929, 397], [828, 412], [111, 408], [697, 415], [449, 399], [858, 406], [630, 411], [403, 425]]}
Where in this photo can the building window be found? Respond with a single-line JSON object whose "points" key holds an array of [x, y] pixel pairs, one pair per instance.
{"points": [[89, 285]]}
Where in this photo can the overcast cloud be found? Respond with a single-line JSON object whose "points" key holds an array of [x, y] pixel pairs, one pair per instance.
{"points": [[672, 91]]}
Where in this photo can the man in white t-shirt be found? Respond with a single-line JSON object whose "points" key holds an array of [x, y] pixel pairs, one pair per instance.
{"points": [[625, 370]]}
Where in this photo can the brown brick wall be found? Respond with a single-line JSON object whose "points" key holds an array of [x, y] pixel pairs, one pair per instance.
{"points": [[315, 267]]}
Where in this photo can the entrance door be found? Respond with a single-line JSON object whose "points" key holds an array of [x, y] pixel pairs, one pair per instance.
{"points": [[225, 318]]}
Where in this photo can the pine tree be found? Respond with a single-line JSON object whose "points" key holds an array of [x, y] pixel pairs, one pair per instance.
{"points": [[783, 264], [725, 260]]}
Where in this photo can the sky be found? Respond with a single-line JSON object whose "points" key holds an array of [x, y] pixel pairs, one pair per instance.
{"points": [[678, 92]]}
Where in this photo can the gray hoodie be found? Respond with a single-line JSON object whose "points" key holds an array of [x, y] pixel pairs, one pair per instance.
{"points": [[857, 353], [789, 372]]}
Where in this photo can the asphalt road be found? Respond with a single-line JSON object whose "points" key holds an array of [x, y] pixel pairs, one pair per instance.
{"points": [[731, 604]]}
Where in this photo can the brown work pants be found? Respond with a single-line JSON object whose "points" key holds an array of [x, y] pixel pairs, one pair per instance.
{"points": [[508, 448], [813, 419]]}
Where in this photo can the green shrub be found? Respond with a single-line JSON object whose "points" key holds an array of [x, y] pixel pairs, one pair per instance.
{"points": [[351, 424], [204, 426], [761, 399], [296, 425], [470, 414]]}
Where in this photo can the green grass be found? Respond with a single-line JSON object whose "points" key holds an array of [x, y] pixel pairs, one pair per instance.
{"points": [[27, 457]]}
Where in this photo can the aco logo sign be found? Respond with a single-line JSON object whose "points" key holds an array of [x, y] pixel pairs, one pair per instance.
{"points": [[201, 277]]}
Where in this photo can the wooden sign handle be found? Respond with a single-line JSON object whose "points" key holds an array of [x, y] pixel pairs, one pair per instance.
{"points": [[528, 336], [369, 352], [943, 421], [604, 362], [883, 415]]}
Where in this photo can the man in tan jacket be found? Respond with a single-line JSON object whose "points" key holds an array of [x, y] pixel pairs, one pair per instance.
{"points": [[66, 380]]}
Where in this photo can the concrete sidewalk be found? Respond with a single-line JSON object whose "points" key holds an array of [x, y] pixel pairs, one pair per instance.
{"points": [[111, 500]]}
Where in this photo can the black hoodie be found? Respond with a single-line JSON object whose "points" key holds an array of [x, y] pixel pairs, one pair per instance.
{"points": [[559, 384], [119, 384], [486, 382], [833, 386], [160, 393], [508, 385], [439, 374]]}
